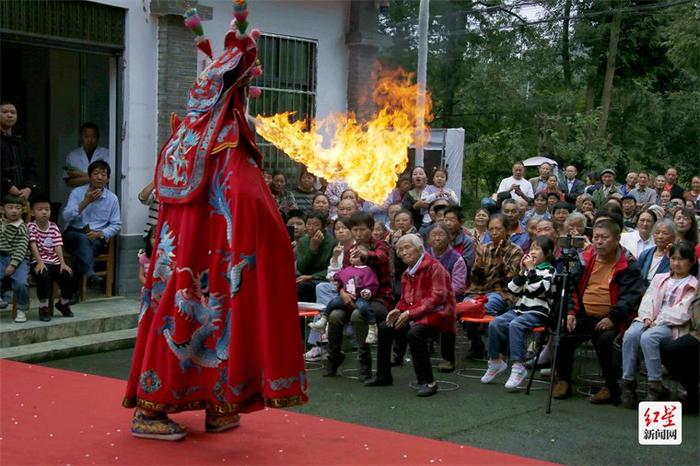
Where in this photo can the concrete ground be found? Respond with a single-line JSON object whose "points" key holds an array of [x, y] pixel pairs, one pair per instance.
{"points": [[486, 416]]}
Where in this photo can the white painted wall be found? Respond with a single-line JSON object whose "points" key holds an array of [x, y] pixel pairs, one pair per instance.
{"points": [[323, 20], [140, 147]]}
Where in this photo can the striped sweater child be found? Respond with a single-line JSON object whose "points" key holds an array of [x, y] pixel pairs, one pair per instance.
{"points": [[533, 290], [14, 241]]}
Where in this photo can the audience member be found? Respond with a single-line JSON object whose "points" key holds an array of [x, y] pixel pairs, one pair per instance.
{"points": [[607, 281], [360, 282], [144, 256], [17, 167], [552, 187], [92, 217], [533, 287], [630, 183], [693, 196], [296, 219], [391, 215], [663, 315], [560, 212], [284, 198], [643, 194], [516, 233], [629, 212], [552, 200], [333, 192], [412, 200], [687, 227], [425, 309], [380, 232], [539, 183], [46, 246], [570, 186], [496, 264], [481, 231], [659, 184], [438, 190], [639, 240], [305, 191], [14, 252], [78, 160], [592, 182], [147, 197], [352, 195], [460, 238], [377, 254], [655, 260], [671, 186], [346, 207], [436, 204], [516, 185], [539, 210], [320, 203], [681, 357], [609, 187], [313, 251]]}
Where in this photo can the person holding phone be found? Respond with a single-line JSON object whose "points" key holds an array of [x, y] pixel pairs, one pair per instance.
{"points": [[92, 217]]}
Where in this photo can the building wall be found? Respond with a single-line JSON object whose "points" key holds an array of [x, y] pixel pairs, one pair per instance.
{"points": [[151, 92], [324, 21]]}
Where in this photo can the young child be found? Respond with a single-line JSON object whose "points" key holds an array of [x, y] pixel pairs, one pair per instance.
{"points": [[664, 314], [46, 245], [360, 282], [532, 309], [14, 253], [438, 191], [145, 254]]}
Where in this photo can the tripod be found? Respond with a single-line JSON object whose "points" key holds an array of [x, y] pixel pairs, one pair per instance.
{"points": [[561, 279]]}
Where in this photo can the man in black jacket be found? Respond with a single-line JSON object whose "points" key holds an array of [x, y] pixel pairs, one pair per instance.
{"points": [[570, 186], [608, 292], [17, 168]]}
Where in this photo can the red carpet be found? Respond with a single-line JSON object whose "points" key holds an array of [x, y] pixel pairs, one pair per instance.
{"points": [[49, 416]]}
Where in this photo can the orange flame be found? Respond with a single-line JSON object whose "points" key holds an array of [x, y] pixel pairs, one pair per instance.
{"points": [[368, 156]]}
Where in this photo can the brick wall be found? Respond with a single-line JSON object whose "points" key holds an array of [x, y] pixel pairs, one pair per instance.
{"points": [[177, 69]]}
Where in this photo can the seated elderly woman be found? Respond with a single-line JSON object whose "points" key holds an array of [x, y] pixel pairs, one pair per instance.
{"points": [[426, 308], [655, 260]]}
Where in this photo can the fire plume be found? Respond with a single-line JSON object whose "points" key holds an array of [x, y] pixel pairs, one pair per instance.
{"points": [[369, 155]]}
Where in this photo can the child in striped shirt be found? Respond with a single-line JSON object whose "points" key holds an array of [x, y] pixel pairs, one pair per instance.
{"points": [[46, 244], [14, 253], [533, 287]]}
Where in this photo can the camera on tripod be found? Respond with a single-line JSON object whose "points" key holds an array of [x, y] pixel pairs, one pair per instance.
{"points": [[571, 242]]}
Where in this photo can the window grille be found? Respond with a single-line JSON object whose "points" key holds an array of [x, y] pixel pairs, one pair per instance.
{"points": [[288, 84]]}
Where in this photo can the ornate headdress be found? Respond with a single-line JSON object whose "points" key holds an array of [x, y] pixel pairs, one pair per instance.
{"points": [[219, 91]]}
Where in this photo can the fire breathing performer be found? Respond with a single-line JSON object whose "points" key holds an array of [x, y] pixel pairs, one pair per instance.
{"points": [[218, 327]]}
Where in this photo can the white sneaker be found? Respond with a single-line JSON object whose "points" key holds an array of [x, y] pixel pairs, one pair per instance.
{"points": [[371, 334], [495, 368], [517, 374], [21, 316], [319, 325], [317, 353]]}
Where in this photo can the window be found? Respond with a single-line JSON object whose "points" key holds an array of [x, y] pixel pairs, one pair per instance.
{"points": [[288, 84]]}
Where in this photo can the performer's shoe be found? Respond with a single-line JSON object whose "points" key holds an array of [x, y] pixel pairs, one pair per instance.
{"points": [[221, 422], [156, 428]]}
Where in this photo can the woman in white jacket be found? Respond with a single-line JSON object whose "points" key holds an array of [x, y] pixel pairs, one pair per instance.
{"points": [[664, 314]]}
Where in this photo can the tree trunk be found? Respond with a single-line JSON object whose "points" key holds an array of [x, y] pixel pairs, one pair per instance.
{"points": [[565, 56], [606, 96]]}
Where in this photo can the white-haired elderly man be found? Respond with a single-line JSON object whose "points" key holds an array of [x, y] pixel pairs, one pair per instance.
{"points": [[426, 308]]}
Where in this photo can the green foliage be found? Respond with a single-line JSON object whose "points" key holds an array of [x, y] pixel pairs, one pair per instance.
{"points": [[503, 81]]}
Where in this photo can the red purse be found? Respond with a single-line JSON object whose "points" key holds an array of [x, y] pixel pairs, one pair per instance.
{"points": [[472, 307]]}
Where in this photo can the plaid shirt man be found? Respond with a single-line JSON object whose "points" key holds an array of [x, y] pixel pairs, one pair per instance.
{"points": [[492, 271]]}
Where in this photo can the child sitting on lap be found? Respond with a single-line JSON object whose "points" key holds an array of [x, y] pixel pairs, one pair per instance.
{"points": [[360, 282], [532, 286]]}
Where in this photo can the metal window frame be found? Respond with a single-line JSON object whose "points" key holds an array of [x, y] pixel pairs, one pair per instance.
{"points": [[286, 87]]}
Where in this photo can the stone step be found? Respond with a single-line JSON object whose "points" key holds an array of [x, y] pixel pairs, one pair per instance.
{"points": [[69, 347], [96, 316]]}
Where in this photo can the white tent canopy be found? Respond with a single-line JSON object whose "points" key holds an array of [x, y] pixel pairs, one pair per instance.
{"points": [[538, 160]]}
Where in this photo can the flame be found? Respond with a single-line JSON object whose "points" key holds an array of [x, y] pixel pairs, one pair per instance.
{"points": [[368, 156]]}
